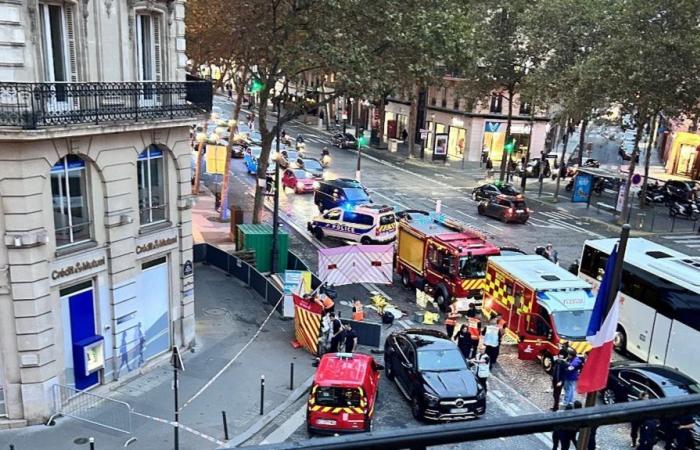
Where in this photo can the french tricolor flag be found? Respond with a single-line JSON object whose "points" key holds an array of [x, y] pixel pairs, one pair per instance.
{"points": [[601, 332]]}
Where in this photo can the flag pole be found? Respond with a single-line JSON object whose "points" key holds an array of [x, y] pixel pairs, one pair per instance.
{"points": [[585, 434]]}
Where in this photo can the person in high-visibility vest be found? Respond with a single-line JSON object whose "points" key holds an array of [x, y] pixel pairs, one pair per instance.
{"points": [[451, 320], [357, 312], [328, 303]]}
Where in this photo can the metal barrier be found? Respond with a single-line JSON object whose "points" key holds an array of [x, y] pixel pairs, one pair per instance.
{"points": [[92, 408]]}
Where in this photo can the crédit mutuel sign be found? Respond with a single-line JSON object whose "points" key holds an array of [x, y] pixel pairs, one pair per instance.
{"points": [[78, 267], [155, 245]]}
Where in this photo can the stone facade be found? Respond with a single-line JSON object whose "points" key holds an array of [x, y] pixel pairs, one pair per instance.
{"points": [[122, 255]]}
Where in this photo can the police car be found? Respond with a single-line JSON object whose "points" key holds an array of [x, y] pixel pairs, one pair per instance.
{"points": [[367, 224]]}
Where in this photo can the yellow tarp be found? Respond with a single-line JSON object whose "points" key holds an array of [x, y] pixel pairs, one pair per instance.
{"points": [[216, 158]]}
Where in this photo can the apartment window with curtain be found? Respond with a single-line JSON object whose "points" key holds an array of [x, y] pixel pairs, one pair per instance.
{"points": [[525, 109], [496, 103], [151, 186], [149, 50], [70, 201], [58, 46]]}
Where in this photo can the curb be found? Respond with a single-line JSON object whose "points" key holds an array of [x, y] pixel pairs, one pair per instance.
{"points": [[269, 417]]}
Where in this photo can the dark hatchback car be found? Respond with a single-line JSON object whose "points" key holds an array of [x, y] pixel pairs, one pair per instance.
{"points": [[431, 373], [627, 381], [344, 140], [505, 208], [491, 190], [678, 190]]}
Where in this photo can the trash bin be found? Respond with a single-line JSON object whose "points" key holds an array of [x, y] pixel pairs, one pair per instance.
{"points": [[236, 219], [393, 145]]}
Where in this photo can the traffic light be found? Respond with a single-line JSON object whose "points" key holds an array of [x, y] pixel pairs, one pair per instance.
{"points": [[255, 86], [361, 141], [510, 145]]}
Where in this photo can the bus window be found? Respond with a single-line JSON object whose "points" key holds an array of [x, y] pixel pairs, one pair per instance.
{"points": [[593, 263]]}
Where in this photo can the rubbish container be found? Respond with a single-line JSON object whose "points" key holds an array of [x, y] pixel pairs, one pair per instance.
{"points": [[236, 219], [393, 145], [258, 237]]}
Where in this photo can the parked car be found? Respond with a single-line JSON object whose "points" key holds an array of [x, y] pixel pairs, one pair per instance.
{"points": [[250, 159], [678, 191], [311, 165], [626, 381], [431, 373], [490, 190], [299, 180], [344, 140], [505, 208], [343, 395]]}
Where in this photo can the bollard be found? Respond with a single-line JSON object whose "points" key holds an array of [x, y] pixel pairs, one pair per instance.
{"points": [[223, 417], [673, 223], [92, 443], [291, 376], [12, 446], [262, 393]]}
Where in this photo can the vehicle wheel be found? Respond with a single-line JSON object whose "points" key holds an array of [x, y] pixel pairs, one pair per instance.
{"points": [[368, 425], [416, 410], [474, 196], [389, 371], [441, 299], [609, 397], [620, 341], [365, 240], [318, 232], [480, 209], [297, 191], [547, 362], [405, 279]]}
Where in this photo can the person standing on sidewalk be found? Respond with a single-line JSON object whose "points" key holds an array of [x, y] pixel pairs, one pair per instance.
{"points": [[636, 424], [464, 341], [350, 338], [571, 377], [648, 431], [483, 366], [336, 332], [493, 334], [451, 320], [558, 372]]}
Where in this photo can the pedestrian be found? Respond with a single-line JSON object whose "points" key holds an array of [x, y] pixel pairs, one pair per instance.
{"points": [[636, 424], [350, 339], [320, 118], [357, 310], [551, 254], [475, 334], [217, 201], [648, 434], [327, 303], [464, 341], [571, 376], [493, 334], [336, 332], [229, 91], [404, 135], [472, 312], [559, 366], [451, 319], [483, 366], [684, 433], [326, 326], [562, 438]]}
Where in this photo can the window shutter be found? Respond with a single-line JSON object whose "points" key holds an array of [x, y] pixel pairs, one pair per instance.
{"points": [[70, 43], [157, 46]]}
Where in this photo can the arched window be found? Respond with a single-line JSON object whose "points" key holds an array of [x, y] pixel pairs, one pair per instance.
{"points": [[70, 201], [151, 174]]}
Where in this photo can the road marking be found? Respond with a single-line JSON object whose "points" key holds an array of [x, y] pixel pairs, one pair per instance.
{"points": [[465, 214], [287, 428], [493, 226], [686, 236], [388, 198]]}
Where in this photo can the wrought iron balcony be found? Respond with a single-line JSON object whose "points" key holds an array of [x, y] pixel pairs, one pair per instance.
{"points": [[32, 106]]}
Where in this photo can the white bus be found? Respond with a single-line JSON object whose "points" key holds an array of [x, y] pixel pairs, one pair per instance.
{"points": [[660, 312]]}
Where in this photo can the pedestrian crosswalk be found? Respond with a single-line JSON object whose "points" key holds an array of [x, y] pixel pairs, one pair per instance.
{"points": [[691, 241]]}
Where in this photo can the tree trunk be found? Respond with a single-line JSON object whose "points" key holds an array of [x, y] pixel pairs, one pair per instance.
{"points": [[261, 175], [582, 140], [565, 140], [647, 160], [628, 182], [504, 156], [412, 118], [240, 91]]}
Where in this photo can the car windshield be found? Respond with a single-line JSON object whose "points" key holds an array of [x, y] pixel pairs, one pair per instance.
{"points": [[472, 266], [572, 324], [312, 164], [440, 360], [338, 396], [508, 190], [300, 174], [356, 194]]}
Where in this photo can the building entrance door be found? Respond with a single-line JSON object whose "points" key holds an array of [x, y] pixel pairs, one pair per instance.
{"points": [[78, 307]]}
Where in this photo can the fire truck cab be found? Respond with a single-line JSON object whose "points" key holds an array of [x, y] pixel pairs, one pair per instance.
{"points": [[541, 304], [343, 394], [442, 256]]}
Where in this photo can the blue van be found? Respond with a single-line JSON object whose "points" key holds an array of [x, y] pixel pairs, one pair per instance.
{"points": [[341, 192]]}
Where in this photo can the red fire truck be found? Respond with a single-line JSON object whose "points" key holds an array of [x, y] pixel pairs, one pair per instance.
{"points": [[442, 256]]}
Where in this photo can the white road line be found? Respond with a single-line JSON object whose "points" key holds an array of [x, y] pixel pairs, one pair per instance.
{"points": [[389, 199], [686, 236], [287, 428], [693, 245], [493, 226], [465, 214], [575, 228]]}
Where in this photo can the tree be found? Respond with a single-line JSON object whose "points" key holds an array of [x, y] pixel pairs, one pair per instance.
{"points": [[649, 63]]}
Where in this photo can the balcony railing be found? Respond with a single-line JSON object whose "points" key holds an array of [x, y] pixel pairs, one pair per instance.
{"points": [[32, 106]]}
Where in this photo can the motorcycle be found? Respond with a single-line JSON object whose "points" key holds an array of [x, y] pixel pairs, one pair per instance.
{"points": [[686, 210], [325, 158], [655, 194]]}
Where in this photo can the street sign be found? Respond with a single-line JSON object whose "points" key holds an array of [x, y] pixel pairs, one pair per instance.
{"points": [[621, 198], [636, 179], [187, 268], [176, 359], [424, 134]]}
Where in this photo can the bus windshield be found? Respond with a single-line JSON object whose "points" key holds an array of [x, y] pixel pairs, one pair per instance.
{"points": [[472, 267], [572, 324], [338, 396]]}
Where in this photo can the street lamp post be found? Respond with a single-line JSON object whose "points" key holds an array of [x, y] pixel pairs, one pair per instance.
{"points": [[276, 194], [201, 140]]}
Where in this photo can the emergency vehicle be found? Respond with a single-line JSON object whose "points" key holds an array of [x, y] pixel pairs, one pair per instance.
{"points": [[541, 304], [366, 224], [343, 394], [442, 257]]}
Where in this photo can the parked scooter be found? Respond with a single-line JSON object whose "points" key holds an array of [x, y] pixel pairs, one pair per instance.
{"points": [[685, 210]]}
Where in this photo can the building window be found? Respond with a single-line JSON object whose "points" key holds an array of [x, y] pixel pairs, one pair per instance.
{"points": [[149, 47], [433, 101], [455, 104], [525, 109], [70, 201], [58, 46], [496, 103], [151, 173]]}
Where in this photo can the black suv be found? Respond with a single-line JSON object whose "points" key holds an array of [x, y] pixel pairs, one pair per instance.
{"points": [[491, 190], [431, 373], [343, 192]]}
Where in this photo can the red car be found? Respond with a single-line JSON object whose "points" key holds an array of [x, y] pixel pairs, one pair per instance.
{"points": [[299, 180]]}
